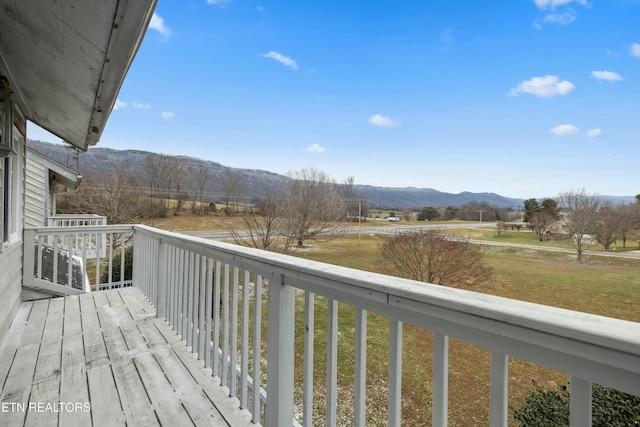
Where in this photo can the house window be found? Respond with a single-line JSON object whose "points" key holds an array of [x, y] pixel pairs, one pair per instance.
{"points": [[11, 187]]}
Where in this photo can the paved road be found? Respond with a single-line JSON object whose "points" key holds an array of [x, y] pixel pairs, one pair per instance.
{"points": [[381, 229], [626, 254], [394, 229]]}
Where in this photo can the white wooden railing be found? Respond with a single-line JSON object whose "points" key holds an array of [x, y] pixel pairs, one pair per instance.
{"points": [[75, 220], [47, 251], [208, 292], [95, 244]]}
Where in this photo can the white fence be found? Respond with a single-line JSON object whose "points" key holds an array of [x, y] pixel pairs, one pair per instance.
{"points": [[61, 259], [212, 293], [95, 244], [76, 220]]}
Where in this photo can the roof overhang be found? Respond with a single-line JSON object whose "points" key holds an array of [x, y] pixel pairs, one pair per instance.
{"points": [[66, 60], [62, 174]]}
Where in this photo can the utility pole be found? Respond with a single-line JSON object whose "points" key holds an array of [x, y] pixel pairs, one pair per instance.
{"points": [[359, 218]]}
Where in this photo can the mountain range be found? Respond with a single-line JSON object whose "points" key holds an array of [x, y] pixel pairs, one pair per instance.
{"points": [[100, 161]]}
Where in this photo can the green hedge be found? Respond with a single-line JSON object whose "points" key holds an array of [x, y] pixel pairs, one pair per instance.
{"points": [[610, 407], [116, 262]]}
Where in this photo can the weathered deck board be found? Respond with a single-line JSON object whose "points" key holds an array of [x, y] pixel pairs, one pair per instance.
{"points": [[107, 350], [44, 392], [72, 322], [134, 400], [211, 386], [73, 381], [199, 406], [95, 351], [167, 403], [105, 403], [17, 387], [55, 318]]}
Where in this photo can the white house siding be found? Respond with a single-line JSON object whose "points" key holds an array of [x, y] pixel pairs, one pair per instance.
{"points": [[11, 256], [10, 284], [35, 198]]}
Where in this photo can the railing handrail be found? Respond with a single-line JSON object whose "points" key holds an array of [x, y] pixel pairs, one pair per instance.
{"points": [[81, 229], [621, 335], [590, 348], [373, 291], [79, 216]]}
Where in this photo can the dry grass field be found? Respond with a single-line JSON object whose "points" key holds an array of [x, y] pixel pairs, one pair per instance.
{"points": [[599, 286]]}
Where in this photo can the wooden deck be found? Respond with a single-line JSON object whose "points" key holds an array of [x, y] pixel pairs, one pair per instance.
{"points": [[104, 359]]}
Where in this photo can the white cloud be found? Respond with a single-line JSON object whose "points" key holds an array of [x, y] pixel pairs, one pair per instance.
{"points": [[594, 133], [218, 2], [316, 148], [382, 121], [635, 50], [157, 24], [606, 75], [167, 115], [562, 130], [446, 35], [285, 60], [552, 4], [119, 104], [141, 106], [260, 9], [560, 18], [543, 87], [564, 17]]}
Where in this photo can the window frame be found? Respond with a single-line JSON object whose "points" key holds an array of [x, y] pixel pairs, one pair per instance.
{"points": [[12, 176]]}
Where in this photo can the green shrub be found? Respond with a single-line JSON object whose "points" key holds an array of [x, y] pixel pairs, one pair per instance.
{"points": [[116, 262], [610, 407]]}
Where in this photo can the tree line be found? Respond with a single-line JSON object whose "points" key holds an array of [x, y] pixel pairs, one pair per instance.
{"points": [[585, 218], [472, 211], [307, 205]]}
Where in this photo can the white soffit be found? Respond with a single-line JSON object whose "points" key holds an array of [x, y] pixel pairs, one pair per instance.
{"points": [[66, 60]]}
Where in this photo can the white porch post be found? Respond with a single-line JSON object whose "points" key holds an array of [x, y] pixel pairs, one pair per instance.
{"points": [[360, 369], [395, 373], [440, 408], [580, 403], [136, 272], [161, 283], [280, 354], [499, 389]]}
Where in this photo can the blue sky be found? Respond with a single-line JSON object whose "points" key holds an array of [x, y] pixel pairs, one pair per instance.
{"points": [[524, 98]]}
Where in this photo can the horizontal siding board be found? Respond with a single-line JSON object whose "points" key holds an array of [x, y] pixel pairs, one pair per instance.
{"points": [[10, 285], [35, 194]]}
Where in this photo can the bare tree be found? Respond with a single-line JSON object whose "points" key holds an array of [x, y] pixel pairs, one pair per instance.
{"points": [[501, 226], [540, 222], [630, 220], [264, 227], [233, 186], [176, 171], [609, 224], [311, 205], [115, 196], [430, 256], [201, 176], [355, 205], [153, 172], [580, 216]]}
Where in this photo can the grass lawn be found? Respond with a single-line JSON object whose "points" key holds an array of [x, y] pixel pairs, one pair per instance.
{"points": [[527, 237], [609, 287]]}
